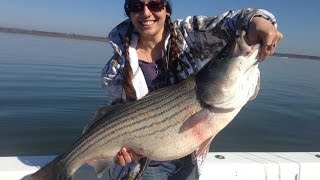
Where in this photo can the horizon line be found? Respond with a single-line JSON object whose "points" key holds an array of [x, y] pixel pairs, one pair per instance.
{"points": [[104, 39]]}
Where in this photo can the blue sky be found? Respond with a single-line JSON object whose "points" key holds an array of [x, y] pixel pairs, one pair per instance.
{"points": [[297, 19]]}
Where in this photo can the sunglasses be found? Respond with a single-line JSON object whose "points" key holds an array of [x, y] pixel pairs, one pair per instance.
{"points": [[138, 6]]}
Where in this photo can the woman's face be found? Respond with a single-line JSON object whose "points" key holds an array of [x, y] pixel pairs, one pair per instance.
{"points": [[149, 23]]}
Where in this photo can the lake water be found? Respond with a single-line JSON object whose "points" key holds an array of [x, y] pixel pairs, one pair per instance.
{"points": [[50, 88]]}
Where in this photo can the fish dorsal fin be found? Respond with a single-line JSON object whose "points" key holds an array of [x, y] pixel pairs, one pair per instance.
{"points": [[100, 114], [100, 166]]}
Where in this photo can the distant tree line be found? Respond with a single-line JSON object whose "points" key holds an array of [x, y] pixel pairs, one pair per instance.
{"points": [[52, 34]]}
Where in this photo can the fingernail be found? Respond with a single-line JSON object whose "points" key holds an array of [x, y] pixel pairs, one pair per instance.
{"points": [[129, 150], [119, 153]]}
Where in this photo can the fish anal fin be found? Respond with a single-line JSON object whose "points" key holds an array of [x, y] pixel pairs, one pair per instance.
{"points": [[99, 165], [203, 147], [137, 169]]}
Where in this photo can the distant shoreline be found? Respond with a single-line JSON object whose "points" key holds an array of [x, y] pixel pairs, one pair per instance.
{"points": [[52, 34], [104, 39], [296, 56]]}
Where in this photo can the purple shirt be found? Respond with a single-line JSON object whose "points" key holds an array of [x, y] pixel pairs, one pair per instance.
{"points": [[155, 74]]}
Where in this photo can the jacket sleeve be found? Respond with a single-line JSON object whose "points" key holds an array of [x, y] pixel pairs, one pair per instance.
{"points": [[206, 36], [111, 78]]}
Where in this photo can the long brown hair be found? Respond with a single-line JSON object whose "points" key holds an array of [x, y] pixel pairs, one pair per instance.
{"points": [[173, 57], [128, 73]]}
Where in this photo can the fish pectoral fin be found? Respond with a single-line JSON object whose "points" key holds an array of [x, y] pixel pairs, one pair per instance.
{"points": [[100, 166], [195, 120]]}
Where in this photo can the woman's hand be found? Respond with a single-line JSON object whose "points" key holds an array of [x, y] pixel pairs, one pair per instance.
{"points": [[126, 156], [262, 31]]}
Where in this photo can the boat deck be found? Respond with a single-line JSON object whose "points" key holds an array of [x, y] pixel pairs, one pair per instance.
{"points": [[218, 165]]}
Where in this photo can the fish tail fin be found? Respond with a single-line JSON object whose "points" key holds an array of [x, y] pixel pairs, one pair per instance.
{"points": [[51, 171]]}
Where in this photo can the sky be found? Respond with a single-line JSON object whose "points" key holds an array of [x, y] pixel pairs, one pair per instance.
{"points": [[297, 20]]}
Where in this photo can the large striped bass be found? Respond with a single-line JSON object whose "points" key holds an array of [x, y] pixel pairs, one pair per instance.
{"points": [[170, 123]]}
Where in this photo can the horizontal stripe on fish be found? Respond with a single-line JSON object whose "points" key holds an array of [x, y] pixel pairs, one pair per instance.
{"points": [[159, 107]]}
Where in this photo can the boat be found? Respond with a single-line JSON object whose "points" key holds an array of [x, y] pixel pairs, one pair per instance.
{"points": [[217, 166]]}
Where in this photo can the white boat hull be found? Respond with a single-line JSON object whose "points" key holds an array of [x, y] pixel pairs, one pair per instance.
{"points": [[218, 165]]}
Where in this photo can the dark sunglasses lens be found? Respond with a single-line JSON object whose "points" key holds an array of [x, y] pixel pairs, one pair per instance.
{"points": [[155, 6], [136, 6]]}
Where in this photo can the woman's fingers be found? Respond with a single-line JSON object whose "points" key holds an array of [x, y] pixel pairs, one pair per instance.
{"points": [[269, 44], [262, 31], [121, 160], [126, 155]]}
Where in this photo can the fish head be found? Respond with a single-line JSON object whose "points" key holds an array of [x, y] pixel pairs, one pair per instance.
{"points": [[232, 78]]}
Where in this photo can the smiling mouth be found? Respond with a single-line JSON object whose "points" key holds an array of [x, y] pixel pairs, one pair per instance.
{"points": [[147, 23]]}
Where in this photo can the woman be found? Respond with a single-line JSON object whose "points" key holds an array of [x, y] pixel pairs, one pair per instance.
{"points": [[152, 52]]}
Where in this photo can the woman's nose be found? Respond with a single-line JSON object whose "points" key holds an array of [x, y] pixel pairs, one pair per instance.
{"points": [[146, 11]]}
